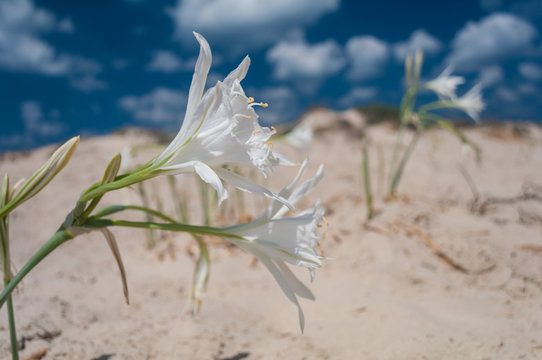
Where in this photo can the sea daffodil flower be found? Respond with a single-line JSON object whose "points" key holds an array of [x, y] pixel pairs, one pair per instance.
{"points": [[220, 128], [300, 137], [445, 85], [276, 240], [471, 102]]}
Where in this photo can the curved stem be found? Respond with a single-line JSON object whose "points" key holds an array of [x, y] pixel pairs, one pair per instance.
{"points": [[193, 229], [117, 208], [401, 166], [55, 241]]}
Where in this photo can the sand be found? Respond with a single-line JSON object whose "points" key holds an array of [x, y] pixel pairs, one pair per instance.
{"points": [[447, 270]]}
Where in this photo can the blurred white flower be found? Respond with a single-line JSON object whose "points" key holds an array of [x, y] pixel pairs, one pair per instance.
{"points": [[276, 240], [471, 102], [128, 160], [300, 137], [220, 128], [445, 85]]}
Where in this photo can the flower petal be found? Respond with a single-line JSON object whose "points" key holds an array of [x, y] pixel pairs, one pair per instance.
{"points": [[239, 73], [199, 78], [242, 183], [210, 177]]}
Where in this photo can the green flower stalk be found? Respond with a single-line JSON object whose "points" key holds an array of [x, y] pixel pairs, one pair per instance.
{"points": [[424, 117]]}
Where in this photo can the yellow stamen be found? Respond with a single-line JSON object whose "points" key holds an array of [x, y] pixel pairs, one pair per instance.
{"points": [[274, 128], [264, 105], [254, 132], [250, 100], [270, 144]]}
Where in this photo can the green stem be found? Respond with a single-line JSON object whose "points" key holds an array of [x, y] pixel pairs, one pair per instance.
{"points": [[151, 240], [401, 166], [55, 241], [367, 182], [4, 241], [193, 229], [12, 330], [117, 208], [143, 173]]}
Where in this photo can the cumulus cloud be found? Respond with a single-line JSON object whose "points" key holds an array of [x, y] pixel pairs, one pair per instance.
{"points": [[22, 49], [490, 76], [506, 94], [357, 95], [165, 61], [251, 24], [530, 71], [419, 40], [36, 124], [300, 60], [368, 57], [494, 38], [66, 26], [162, 106]]}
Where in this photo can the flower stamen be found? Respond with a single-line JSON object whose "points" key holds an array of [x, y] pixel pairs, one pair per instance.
{"points": [[250, 100]]}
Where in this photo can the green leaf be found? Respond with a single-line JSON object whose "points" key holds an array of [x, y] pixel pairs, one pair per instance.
{"points": [[110, 238]]}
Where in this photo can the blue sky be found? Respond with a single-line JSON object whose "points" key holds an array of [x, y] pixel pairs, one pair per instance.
{"points": [[90, 67]]}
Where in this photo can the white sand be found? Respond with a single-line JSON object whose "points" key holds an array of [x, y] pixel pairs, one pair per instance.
{"points": [[386, 294]]}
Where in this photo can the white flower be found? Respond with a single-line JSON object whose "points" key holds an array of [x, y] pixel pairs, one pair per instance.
{"points": [[276, 240], [444, 84], [471, 102], [220, 128], [300, 137], [128, 160]]}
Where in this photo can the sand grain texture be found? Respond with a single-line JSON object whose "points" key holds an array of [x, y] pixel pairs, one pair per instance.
{"points": [[385, 295]]}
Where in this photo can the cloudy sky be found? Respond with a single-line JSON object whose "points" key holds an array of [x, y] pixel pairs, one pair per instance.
{"points": [[89, 67]]}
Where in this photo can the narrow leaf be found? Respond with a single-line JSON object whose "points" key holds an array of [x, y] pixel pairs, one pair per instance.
{"points": [[110, 238]]}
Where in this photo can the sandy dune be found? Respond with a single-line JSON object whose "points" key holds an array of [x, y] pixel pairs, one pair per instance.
{"points": [[433, 276]]}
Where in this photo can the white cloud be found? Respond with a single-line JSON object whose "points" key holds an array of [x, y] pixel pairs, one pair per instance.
{"points": [[368, 56], [494, 38], [300, 60], [66, 26], [22, 49], [36, 124], [490, 76], [165, 61], [161, 106], [506, 94], [419, 40], [87, 83], [357, 95], [251, 24], [530, 71], [528, 89]]}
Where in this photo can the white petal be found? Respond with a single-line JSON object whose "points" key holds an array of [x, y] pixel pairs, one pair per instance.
{"points": [[210, 177], [199, 78], [239, 73], [242, 183], [280, 278], [302, 190], [298, 287]]}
